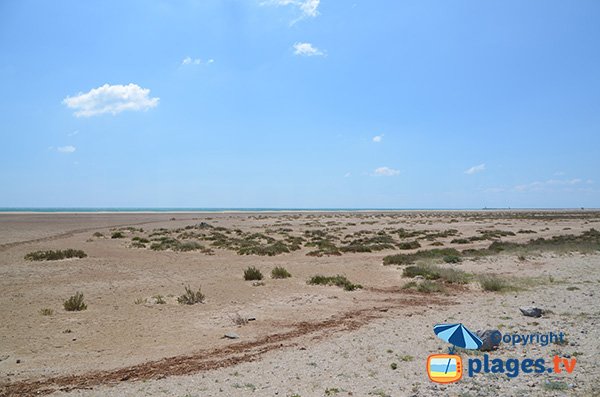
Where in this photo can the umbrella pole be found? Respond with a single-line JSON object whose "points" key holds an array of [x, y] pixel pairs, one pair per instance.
{"points": [[448, 365]]}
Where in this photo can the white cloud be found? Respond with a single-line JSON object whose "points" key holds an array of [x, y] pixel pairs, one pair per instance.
{"points": [[386, 171], [475, 169], [111, 99], [195, 61], [378, 138], [73, 133], [308, 8], [307, 50], [190, 61], [66, 149]]}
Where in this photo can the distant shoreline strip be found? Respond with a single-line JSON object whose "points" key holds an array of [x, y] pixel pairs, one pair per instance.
{"points": [[74, 210]]}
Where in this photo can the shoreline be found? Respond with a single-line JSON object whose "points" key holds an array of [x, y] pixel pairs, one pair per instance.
{"points": [[44, 211]]}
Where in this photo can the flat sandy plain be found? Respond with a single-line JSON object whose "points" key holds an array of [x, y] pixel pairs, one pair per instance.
{"points": [[306, 340]]}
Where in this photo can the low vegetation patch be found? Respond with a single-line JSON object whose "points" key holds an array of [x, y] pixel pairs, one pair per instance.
{"points": [[190, 297], [339, 281], [452, 259], [432, 272], [409, 245], [54, 255], [494, 283], [426, 286], [117, 235], [586, 242], [46, 311], [252, 273], [160, 300], [407, 259], [75, 303], [363, 242], [280, 272]]}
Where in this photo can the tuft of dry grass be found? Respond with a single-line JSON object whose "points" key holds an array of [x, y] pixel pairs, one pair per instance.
{"points": [[75, 303], [190, 297]]}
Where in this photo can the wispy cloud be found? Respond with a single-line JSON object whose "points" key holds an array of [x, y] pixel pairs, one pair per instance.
{"points": [[386, 171], [190, 61], [347, 175], [307, 50], [196, 61], [73, 133], [475, 169], [378, 138], [66, 149], [307, 8], [112, 99]]}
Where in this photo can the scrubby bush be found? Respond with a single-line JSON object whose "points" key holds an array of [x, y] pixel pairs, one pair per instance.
{"points": [[46, 311], [409, 245], [493, 283], [452, 259], [98, 234], [252, 273], [75, 303], [432, 254], [339, 281], [117, 235], [431, 272], [51, 255], [280, 272], [190, 297]]}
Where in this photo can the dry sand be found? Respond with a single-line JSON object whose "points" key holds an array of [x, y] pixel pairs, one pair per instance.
{"points": [[306, 340]]}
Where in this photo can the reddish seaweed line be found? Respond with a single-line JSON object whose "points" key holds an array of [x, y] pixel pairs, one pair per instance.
{"points": [[204, 360]]}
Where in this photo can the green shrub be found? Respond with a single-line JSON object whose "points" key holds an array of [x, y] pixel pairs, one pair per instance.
{"points": [[50, 255], [252, 273], [407, 259], [339, 281], [190, 297], [409, 245], [493, 283], [46, 311], [75, 303], [429, 287], [280, 272], [117, 235], [452, 259], [432, 272], [98, 234]]}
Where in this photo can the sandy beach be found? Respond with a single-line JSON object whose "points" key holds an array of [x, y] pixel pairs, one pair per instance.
{"points": [[302, 339]]}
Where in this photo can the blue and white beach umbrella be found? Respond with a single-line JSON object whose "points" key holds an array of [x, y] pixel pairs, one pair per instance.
{"points": [[458, 335]]}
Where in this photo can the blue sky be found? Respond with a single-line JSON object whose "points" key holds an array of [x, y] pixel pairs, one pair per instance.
{"points": [[300, 103]]}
